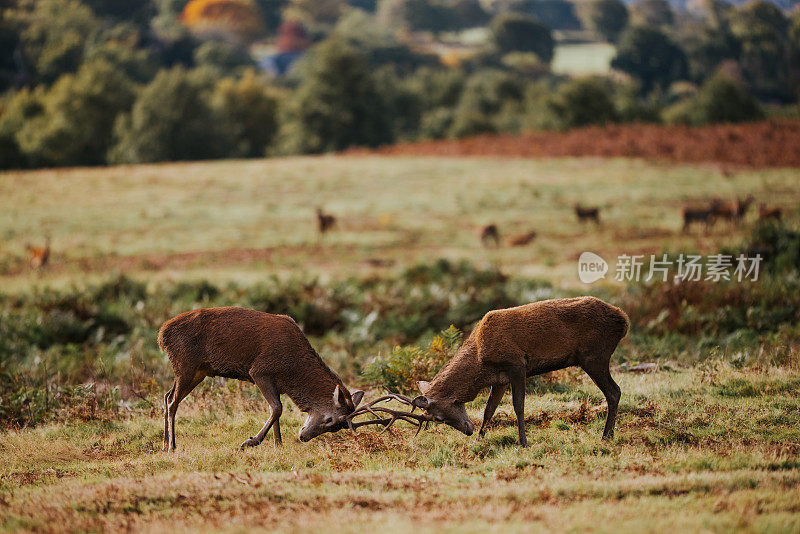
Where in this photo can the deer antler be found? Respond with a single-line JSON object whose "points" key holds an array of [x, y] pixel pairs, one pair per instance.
{"points": [[373, 409]]}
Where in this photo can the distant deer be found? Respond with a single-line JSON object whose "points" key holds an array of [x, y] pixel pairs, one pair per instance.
{"points": [[765, 213], [522, 239], [490, 233], [325, 221], [585, 214], [731, 211], [508, 346], [697, 215], [39, 256], [268, 350]]}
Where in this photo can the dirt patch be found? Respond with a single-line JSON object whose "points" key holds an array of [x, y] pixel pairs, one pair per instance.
{"points": [[751, 145]]}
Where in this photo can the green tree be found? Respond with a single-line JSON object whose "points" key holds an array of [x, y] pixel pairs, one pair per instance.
{"points": [[707, 48], [763, 31], [720, 99], [271, 12], [9, 42], [222, 56], [606, 17], [16, 111], [54, 36], [171, 120], [337, 104], [77, 116], [581, 102], [651, 57], [249, 109], [512, 32], [652, 13], [485, 101]]}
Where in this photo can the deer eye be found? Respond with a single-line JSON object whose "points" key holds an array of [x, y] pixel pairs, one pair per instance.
{"points": [[328, 420]]}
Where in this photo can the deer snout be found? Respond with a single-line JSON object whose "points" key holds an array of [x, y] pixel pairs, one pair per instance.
{"points": [[469, 428]]}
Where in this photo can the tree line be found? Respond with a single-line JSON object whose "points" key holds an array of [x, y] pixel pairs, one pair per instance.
{"points": [[93, 82]]}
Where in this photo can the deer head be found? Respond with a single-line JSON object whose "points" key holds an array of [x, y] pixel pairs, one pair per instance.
{"points": [[444, 410], [331, 416]]}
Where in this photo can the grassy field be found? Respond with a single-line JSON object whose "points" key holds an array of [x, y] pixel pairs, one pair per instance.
{"points": [[710, 441], [710, 449], [242, 219]]}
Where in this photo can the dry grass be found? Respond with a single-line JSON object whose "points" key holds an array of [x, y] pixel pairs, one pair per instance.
{"points": [[695, 450], [237, 220]]}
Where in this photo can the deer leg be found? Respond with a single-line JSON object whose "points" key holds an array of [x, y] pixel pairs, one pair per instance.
{"points": [[270, 392], [183, 386], [491, 405], [602, 377], [517, 377], [167, 398]]}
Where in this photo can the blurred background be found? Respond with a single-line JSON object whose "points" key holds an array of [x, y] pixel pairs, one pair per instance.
{"points": [[384, 170], [91, 82]]}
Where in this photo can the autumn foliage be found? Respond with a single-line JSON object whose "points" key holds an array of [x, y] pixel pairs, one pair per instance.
{"points": [[233, 17]]}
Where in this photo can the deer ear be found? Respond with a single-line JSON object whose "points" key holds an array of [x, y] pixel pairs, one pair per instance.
{"points": [[420, 402], [356, 395], [423, 386], [339, 399]]}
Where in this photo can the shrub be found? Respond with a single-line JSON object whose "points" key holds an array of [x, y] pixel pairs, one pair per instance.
{"points": [[581, 102], [404, 366], [720, 99]]}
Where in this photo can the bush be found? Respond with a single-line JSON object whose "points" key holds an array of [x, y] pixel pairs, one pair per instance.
{"points": [[581, 102], [404, 366], [720, 99]]}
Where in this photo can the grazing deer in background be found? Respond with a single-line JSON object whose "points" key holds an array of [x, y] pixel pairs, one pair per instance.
{"points": [[325, 221], [765, 213], [39, 256], [268, 350], [490, 233], [697, 215], [508, 346], [522, 239], [731, 211], [587, 214]]}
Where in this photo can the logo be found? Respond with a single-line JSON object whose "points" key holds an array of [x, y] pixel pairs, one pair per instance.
{"points": [[591, 267]]}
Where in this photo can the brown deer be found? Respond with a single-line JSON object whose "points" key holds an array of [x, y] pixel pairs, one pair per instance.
{"points": [[765, 213], [490, 233], [325, 221], [39, 256], [697, 215], [587, 214], [268, 350], [731, 211], [508, 346], [522, 239]]}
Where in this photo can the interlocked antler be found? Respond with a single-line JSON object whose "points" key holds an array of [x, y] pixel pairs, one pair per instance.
{"points": [[394, 415]]}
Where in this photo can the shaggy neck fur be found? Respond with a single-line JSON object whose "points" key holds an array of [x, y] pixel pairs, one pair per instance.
{"points": [[461, 379]]}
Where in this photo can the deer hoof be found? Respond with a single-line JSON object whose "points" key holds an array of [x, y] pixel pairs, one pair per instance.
{"points": [[251, 442]]}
